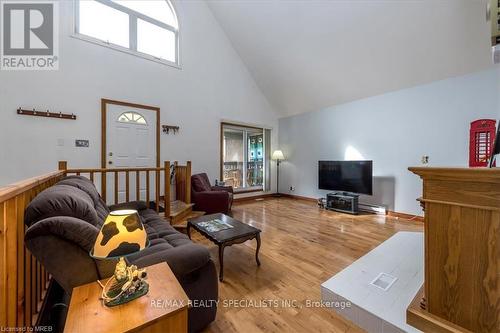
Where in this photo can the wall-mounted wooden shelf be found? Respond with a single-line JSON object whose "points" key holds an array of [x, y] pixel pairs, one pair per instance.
{"points": [[47, 114]]}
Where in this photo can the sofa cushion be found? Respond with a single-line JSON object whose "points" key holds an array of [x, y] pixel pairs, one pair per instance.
{"points": [[87, 186], [62, 200], [169, 245], [200, 183], [135, 205], [83, 184], [181, 259], [157, 227]]}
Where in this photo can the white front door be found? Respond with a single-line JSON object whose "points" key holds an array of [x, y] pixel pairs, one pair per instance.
{"points": [[130, 143]]}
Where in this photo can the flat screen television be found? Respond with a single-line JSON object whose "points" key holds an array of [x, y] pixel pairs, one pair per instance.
{"points": [[346, 176]]}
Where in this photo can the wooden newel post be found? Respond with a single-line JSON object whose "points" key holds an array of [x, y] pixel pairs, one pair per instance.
{"points": [[188, 182], [166, 197], [63, 165]]}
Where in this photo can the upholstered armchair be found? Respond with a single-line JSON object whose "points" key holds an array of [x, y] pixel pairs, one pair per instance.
{"points": [[208, 198]]}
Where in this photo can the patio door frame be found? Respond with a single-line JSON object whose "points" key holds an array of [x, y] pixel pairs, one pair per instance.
{"points": [[245, 152]]}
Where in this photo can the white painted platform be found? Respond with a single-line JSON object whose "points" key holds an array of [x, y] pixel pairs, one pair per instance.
{"points": [[374, 309]]}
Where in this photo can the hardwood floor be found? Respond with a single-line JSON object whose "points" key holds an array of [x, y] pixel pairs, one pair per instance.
{"points": [[302, 246]]}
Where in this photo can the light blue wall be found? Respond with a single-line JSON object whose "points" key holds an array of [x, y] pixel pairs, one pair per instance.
{"points": [[394, 130]]}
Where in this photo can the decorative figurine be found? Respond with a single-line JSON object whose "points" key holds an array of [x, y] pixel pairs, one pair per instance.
{"points": [[127, 284]]}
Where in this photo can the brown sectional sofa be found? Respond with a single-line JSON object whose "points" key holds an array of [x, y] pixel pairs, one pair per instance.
{"points": [[63, 222]]}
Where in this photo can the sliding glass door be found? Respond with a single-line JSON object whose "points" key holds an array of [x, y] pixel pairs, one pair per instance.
{"points": [[243, 157]]}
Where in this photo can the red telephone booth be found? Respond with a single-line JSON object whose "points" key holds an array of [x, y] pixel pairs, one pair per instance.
{"points": [[482, 136]]}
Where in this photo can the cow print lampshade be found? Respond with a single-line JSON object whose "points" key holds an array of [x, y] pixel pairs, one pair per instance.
{"points": [[121, 234]]}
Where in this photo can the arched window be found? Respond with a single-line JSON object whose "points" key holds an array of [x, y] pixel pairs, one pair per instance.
{"points": [[148, 28], [132, 117]]}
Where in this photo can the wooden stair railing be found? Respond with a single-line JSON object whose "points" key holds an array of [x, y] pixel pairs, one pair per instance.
{"points": [[152, 177], [23, 280]]}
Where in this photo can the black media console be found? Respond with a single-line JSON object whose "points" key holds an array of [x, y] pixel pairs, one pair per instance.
{"points": [[342, 202]]}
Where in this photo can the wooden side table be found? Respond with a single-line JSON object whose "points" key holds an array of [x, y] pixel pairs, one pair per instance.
{"points": [[162, 309]]}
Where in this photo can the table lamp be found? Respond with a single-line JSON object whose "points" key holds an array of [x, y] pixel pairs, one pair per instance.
{"points": [[278, 156], [122, 234]]}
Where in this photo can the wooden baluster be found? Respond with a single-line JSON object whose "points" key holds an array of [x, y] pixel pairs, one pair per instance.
{"points": [[37, 285], [137, 186], [63, 165], [33, 288], [127, 187], [166, 195], [116, 187], [27, 289], [21, 253], [92, 176], [104, 179], [157, 190], [11, 261], [78, 174], [178, 194], [3, 270], [147, 187], [43, 282]]}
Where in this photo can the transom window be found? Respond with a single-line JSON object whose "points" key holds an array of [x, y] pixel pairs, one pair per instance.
{"points": [[148, 28], [132, 117]]}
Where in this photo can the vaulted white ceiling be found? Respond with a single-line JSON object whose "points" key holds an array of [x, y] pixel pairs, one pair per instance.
{"points": [[308, 55]]}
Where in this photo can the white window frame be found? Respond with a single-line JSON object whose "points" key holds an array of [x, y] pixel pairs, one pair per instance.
{"points": [[132, 121], [133, 16], [245, 129]]}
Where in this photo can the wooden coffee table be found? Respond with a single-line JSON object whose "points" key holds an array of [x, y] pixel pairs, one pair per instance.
{"points": [[239, 233]]}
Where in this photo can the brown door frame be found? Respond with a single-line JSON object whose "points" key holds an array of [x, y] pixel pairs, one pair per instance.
{"points": [[104, 103]]}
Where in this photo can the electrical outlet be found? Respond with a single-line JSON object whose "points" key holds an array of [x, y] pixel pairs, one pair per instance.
{"points": [[292, 188], [425, 159]]}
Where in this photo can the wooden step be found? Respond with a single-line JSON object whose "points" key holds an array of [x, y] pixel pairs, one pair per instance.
{"points": [[181, 224], [179, 210]]}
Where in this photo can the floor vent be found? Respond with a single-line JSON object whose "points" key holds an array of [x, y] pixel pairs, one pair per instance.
{"points": [[384, 281]]}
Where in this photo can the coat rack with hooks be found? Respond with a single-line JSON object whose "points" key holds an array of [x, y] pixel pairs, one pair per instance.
{"points": [[47, 113], [168, 128]]}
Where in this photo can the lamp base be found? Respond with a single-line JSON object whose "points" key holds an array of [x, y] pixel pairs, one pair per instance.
{"points": [[141, 289], [127, 284]]}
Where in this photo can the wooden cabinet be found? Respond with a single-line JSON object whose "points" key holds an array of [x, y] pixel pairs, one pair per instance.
{"points": [[462, 251]]}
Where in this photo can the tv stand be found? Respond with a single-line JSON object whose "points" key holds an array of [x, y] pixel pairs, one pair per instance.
{"points": [[344, 202]]}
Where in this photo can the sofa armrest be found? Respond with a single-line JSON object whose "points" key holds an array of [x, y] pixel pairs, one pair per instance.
{"points": [[136, 205], [223, 188], [68, 228], [62, 244], [211, 201]]}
